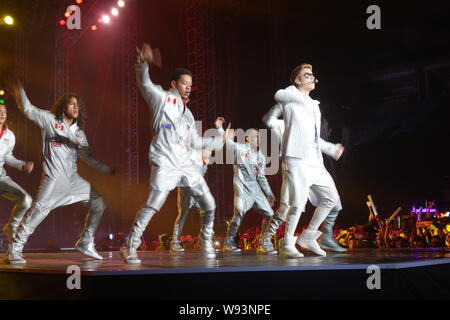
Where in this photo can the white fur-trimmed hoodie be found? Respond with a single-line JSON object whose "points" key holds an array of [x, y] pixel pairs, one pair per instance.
{"points": [[301, 115]]}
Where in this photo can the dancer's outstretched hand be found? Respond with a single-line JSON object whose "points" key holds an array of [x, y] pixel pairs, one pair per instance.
{"points": [[13, 84], [339, 152], [219, 122], [229, 133], [145, 53], [28, 166], [206, 154], [271, 200]]}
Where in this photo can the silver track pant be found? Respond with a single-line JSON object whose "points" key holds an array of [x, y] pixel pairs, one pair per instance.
{"points": [[11, 191], [55, 193]]}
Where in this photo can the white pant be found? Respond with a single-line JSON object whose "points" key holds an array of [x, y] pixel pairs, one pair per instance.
{"points": [[300, 177]]}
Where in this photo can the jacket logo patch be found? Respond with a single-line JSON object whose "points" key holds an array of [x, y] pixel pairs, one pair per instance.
{"points": [[59, 127], [55, 144], [173, 100], [244, 155], [166, 126]]}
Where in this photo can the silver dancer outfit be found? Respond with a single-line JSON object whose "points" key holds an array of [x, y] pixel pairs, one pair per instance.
{"points": [[8, 188], [327, 240], [60, 185], [251, 189], [185, 202], [303, 169], [174, 136]]}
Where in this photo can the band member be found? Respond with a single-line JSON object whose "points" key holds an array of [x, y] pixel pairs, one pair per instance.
{"points": [[303, 167], [174, 136], [63, 140], [251, 188], [10, 190]]}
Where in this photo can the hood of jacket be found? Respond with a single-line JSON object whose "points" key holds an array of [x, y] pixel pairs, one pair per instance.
{"points": [[291, 94]]}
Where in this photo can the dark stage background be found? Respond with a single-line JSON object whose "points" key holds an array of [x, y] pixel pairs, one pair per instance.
{"points": [[384, 93]]}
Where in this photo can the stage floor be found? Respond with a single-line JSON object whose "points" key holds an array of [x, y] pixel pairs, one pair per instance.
{"points": [[404, 271], [194, 261]]}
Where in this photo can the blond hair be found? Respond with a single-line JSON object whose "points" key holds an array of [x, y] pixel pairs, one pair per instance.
{"points": [[297, 70]]}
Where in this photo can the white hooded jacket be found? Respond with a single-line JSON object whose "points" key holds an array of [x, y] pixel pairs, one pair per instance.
{"points": [[301, 115]]}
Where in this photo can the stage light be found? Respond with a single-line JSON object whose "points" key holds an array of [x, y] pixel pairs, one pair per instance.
{"points": [[2, 101], [114, 11], [2, 92], [8, 20], [121, 3], [79, 1], [111, 236], [106, 18], [62, 22], [94, 27], [67, 14]]}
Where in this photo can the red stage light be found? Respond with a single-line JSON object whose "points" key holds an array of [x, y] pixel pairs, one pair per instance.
{"points": [[79, 1], [94, 28], [62, 22]]}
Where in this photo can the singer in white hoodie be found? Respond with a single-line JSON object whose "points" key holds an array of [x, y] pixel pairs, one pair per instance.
{"points": [[327, 241], [301, 152]]}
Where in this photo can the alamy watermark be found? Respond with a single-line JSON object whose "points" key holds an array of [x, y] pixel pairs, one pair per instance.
{"points": [[374, 280], [74, 20], [74, 280], [374, 20]]}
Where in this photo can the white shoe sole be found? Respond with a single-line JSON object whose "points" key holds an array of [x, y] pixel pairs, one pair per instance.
{"points": [[306, 247], [290, 254]]}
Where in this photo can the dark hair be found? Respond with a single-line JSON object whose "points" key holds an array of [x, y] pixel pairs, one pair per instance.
{"points": [[60, 105], [178, 72]]}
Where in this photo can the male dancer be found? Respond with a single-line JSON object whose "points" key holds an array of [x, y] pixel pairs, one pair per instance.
{"points": [[174, 135], [327, 241], [8, 188], [251, 188], [62, 141], [200, 159], [303, 167]]}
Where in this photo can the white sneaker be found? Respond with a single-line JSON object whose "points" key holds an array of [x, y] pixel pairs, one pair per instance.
{"points": [[307, 240], [289, 251]]}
